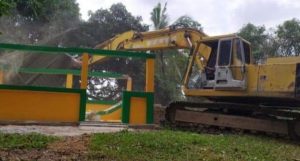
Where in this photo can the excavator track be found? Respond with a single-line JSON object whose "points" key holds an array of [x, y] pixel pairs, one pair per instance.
{"points": [[218, 117]]}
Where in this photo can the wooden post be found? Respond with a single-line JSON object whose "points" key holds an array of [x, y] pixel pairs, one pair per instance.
{"points": [[84, 71], [149, 75]]}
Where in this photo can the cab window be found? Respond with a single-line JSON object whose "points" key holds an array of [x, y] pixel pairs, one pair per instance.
{"points": [[247, 52], [237, 54], [224, 52]]}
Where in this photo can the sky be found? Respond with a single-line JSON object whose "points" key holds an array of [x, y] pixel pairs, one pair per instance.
{"points": [[216, 16]]}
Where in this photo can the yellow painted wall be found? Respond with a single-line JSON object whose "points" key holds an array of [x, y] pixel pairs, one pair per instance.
{"points": [[138, 110], [22, 105], [114, 116], [149, 75], [69, 81]]}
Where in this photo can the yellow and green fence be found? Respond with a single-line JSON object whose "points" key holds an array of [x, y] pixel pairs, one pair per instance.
{"points": [[66, 104]]}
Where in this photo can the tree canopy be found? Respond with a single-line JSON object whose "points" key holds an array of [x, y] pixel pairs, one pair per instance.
{"points": [[106, 23], [41, 10], [284, 40], [256, 36], [187, 21], [288, 35], [6, 6], [31, 21]]}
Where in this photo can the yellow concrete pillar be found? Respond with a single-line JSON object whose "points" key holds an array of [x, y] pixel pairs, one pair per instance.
{"points": [[149, 75], [1, 77], [129, 84], [84, 70], [69, 81], [138, 111]]}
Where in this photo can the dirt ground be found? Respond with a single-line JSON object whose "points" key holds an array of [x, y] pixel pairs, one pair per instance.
{"points": [[159, 113], [70, 148]]}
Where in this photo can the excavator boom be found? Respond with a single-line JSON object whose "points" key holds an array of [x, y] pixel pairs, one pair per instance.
{"points": [[170, 38]]}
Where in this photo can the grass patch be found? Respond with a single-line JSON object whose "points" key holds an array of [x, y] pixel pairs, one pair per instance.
{"points": [[175, 145], [25, 141]]}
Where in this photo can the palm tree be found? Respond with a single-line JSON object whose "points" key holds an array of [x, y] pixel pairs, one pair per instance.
{"points": [[159, 16], [160, 20]]}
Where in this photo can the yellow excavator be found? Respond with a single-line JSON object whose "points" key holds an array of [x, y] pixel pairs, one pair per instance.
{"points": [[240, 93]]}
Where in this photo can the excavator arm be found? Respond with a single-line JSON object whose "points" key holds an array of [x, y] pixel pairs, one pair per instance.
{"points": [[169, 38]]}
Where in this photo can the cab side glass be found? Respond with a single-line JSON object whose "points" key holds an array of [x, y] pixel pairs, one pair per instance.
{"points": [[247, 53], [224, 52], [238, 53]]}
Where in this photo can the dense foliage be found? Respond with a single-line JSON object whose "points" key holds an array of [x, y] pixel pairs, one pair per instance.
{"points": [[288, 35], [32, 21], [284, 40]]}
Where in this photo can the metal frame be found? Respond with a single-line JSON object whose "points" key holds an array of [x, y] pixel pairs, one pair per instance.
{"points": [[74, 51]]}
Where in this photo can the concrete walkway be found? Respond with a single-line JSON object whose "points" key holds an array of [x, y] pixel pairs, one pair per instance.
{"points": [[84, 128]]}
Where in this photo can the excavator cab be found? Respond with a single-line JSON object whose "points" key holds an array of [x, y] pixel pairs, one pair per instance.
{"points": [[224, 67], [230, 67]]}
